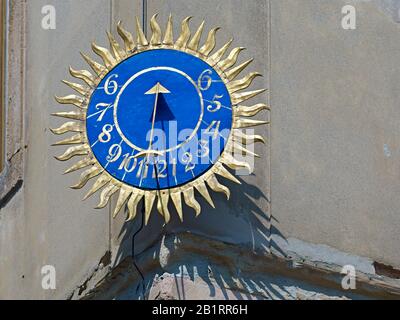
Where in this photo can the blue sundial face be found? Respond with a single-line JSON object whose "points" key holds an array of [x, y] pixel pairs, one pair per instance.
{"points": [[159, 119]]}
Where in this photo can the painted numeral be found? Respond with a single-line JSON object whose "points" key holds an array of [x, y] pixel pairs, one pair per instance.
{"points": [[129, 163], [174, 164], [106, 107], [161, 169], [215, 104], [204, 150], [111, 86], [105, 136], [205, 81], [143, 169], [214, 128], [114, 153], [187, 159]]}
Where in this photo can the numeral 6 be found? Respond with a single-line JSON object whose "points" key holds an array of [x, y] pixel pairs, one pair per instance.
{"points": [[205, 78], [111, 86]]}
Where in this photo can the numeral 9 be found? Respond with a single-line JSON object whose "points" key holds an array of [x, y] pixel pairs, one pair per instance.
{"points": [[114, 153]]}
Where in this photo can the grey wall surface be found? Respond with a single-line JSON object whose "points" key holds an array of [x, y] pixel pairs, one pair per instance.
{"points": [[333, 146], [335, 130], [47, 223]]}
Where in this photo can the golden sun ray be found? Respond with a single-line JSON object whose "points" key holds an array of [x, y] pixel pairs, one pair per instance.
{"points": [[190, 200], [216, 57], [124, 195], [83, 75], [133, 203], [202, 189], [162, 206], [74, 115], [246, 139], [149, 199], [71, 99], [169, 35], [76, 139], [82, 90], [234, 72], [241, 97], [185, 34], [247, 123], [221, 171], [141, 38], [235, 147], [243, 111], [213, 183], [68, 127], [73, 152], [116, 49], [130, 197], [231, 60], [126, 37], [194, 43], [155, 28], [242, 84], [234, 164], [86, 162], [87, 175], [210, 43], [107, 193], [105, 54], [177, 200], [98, 68], [100, 183]]}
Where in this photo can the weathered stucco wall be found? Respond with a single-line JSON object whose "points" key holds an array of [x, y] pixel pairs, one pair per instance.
{"points": [[335, 131], [329, 195], [47, 223]]}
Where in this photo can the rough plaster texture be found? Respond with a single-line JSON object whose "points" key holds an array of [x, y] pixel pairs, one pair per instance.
{"points": [[334, 149], [336, 152], [186, 266], [12, 174], [47, 224], [177, 287]]}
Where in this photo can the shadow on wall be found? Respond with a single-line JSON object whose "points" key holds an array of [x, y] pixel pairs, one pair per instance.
{"points": [[224, 274]]}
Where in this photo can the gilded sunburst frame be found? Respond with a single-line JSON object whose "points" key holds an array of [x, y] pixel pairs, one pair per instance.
{"points": [[130, 196]]}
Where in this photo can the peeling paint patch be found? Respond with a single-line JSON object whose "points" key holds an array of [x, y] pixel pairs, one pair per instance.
{"points": [[105, 260], [387, 271], [94, 277], [387, 151], [325, 254]]}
